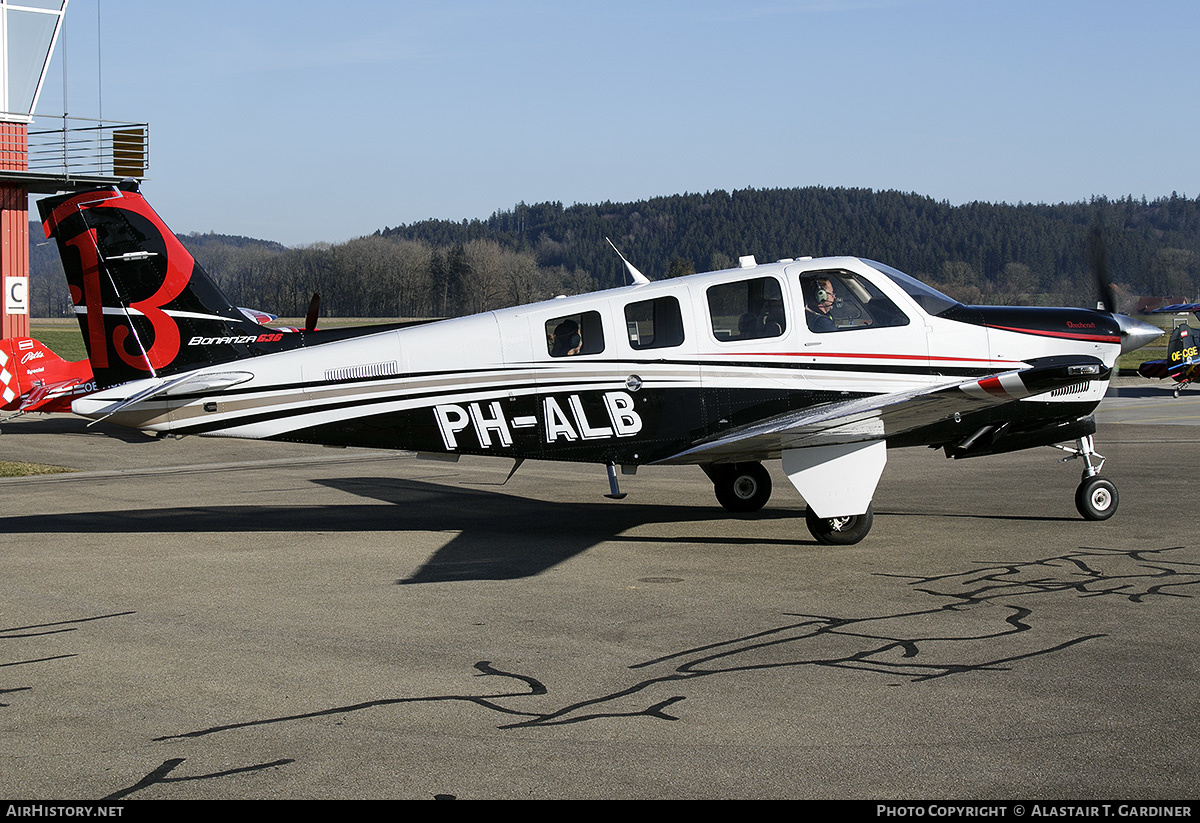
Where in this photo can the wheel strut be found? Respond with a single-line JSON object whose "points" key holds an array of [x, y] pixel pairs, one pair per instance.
{"points": [[1096, 497], [1085, 447]]}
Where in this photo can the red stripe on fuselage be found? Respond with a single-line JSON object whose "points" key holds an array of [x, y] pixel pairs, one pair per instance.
{"points": [[859, 355], [1095, 338]]}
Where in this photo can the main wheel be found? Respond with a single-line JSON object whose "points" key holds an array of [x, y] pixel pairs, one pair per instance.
{"points": [[840, 531], [742, 487], [1096, 498]]}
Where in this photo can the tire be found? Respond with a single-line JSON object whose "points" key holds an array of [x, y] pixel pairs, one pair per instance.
{"points": [[840, 531], [742, 487], [1096, 498]]}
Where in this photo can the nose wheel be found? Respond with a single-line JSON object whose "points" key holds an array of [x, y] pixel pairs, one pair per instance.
{"points": [[1096, 498]]}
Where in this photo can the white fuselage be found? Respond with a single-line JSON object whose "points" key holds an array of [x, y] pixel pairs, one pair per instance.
{"points": [[464, 372]]}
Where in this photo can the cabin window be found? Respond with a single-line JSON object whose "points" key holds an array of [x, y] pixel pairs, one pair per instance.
{"points": [[747, 310], [843, 301], [575, 334], [654, 324]]}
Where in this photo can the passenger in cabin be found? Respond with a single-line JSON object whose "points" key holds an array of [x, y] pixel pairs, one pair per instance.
{"points": [[567, 341], [748, 322], [819, 300], [773, 320], [766, 320]]}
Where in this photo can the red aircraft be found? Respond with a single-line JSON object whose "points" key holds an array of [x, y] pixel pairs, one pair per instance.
{"points": [[34, 378]]}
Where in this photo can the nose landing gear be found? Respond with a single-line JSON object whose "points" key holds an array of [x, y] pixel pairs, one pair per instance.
{"points": [[1096, 498]]}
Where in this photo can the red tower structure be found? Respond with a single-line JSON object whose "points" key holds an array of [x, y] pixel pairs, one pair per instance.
{"points": [[41, 160]]}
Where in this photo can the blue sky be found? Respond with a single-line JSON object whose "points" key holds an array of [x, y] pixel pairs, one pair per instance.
{"points": [[306, 122]]}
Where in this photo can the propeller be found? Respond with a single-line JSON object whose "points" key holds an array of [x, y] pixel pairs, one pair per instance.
{"points": [[314, 308], [1134, 333], [1097, 257]]}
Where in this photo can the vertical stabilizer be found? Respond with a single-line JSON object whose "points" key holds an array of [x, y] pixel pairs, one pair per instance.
{"points": [[145, 306], [1182, 348]]}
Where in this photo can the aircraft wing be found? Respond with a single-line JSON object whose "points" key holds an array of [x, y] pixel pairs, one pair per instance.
{"points": [[880, 416], [1177, 308], [1155, 368]]}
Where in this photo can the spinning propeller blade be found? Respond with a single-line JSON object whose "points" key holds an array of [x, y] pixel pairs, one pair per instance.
{"points": [[314, 309], [1097, 256]]}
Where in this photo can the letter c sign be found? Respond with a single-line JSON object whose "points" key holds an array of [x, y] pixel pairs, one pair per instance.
{"points": [[16, 295]]}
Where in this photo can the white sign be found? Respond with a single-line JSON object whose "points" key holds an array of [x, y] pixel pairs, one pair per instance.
{"points": [[16, 295]]}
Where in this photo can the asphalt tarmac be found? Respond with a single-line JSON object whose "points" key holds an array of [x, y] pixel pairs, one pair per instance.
{"points": [[211, 618]]}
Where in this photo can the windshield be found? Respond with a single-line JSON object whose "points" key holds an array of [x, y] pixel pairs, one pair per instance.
{"points": [[927, 297]]}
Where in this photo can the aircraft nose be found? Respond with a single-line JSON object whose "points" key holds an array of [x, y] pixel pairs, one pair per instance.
{"points": [[1135, 333]]}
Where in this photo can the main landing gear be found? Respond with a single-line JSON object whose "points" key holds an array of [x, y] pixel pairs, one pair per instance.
{"points": [[1096, 498], [740, 487], [839, 531], [746, 487]]}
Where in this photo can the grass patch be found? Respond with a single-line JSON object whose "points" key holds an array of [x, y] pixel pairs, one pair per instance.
{"points": [[62, 336], [11, 468]]}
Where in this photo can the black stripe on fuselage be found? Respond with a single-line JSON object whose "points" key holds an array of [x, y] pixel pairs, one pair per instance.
{"points": [[553, 370]]}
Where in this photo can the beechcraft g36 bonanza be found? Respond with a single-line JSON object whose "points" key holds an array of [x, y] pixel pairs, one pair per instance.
{"points": [[824, 363]]}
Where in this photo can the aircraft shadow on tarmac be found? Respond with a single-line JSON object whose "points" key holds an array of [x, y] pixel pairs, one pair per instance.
{"points": [[500, 536], [65, 424], [1150, 390]]}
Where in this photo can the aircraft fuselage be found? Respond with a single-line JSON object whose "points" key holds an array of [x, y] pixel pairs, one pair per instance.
{"points": [[659, 366]]}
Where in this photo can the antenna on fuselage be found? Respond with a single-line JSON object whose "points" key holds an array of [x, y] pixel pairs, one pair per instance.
{"points": [[638, 278]]}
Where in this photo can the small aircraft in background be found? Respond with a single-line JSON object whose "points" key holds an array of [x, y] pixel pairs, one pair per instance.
{"points": [[1182, 363], [34, 378], [821, 363]]}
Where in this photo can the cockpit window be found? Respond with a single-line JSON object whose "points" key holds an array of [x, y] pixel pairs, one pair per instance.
{"points": [[840, 301], [927, 297]]}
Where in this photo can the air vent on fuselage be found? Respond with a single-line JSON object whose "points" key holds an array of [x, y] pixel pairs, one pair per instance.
{"points": [[1074, 388], [364, 371]]}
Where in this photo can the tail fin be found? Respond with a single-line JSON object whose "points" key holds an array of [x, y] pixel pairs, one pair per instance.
{"points": [[1182, 348], [145, 306], [34, 378]]}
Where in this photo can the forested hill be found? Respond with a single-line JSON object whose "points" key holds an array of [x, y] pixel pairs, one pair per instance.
{"points": [[1152, 245], [978, 253]]}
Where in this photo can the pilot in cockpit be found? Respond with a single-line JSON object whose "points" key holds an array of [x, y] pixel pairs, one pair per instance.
{"points": [[819, 300]]}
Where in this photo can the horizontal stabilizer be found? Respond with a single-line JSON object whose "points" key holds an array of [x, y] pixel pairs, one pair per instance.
{"points": [[185, 384]]}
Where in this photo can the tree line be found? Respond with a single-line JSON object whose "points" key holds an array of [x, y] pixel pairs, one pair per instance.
{"points": [[977, 252]]}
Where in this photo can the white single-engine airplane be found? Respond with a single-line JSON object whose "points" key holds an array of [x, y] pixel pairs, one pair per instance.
{"points": [[824, 363]]}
